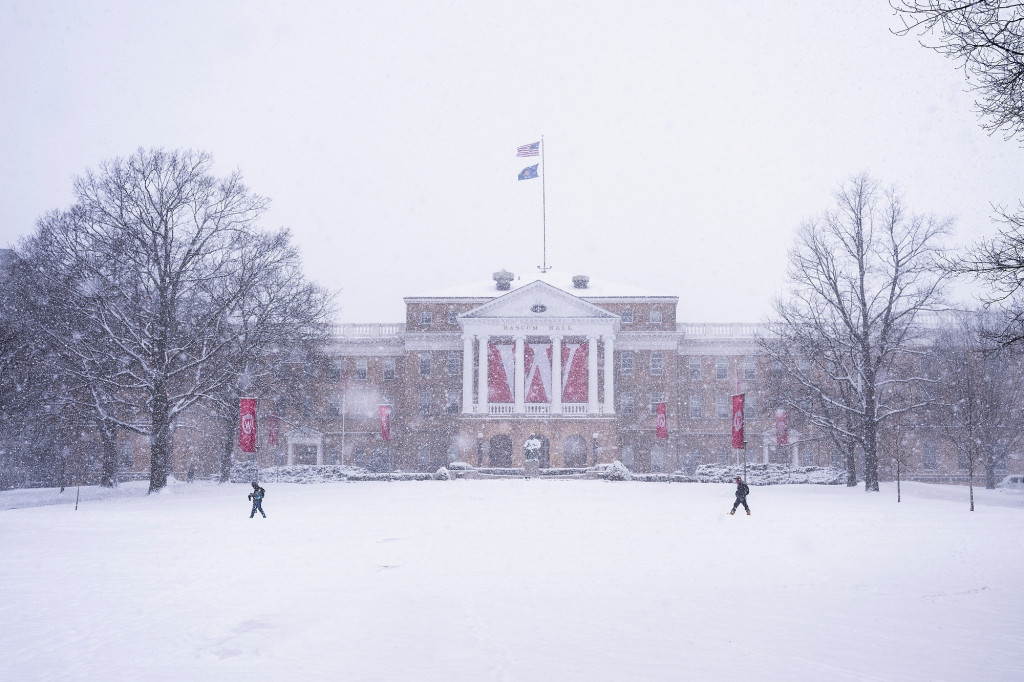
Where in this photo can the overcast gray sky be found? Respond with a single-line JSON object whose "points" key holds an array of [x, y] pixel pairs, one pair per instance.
{"points": [[685, 141]]}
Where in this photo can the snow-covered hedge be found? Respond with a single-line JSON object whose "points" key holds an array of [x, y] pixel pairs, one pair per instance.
{"points": [[459, 466], [770, 474], [677, 477], [616, 471], [245, 472]]}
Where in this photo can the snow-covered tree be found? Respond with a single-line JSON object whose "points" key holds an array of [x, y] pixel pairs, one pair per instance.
{"points": [[979, 395], [844, 334], [156, 266]]}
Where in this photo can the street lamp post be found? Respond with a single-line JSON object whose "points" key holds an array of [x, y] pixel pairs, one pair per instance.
{"points": [[596, 435]]}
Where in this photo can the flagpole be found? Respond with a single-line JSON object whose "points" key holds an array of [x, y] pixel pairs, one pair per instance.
{"points": [[543, 205]]}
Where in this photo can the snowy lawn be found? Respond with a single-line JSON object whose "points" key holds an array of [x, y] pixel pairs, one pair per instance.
{"points": [[512, 580]]}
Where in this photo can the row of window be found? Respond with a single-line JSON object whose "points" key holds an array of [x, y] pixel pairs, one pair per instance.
{"points": [[723, 405], [657, 366], [453, 365]]}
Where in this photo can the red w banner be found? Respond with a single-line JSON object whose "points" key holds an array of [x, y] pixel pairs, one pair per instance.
{"points": [[247, 425], [737, 421], [781, 428], [537, 371], [272, 427], [385, 422], [662, 423]]}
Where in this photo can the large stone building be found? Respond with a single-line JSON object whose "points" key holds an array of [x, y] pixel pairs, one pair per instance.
{"points": [[468, 377]]}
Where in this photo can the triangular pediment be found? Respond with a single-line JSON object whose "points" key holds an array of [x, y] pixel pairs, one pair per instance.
{"points": [[537, 300]]}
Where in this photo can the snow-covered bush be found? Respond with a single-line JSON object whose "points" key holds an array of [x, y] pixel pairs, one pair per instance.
{"points": [[459, 466], [771, 474], [442, 475], [616, 471], [242, 472]]}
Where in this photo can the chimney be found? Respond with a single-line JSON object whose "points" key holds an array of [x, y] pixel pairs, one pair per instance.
{"points": [[580, 281], [504, 279]]}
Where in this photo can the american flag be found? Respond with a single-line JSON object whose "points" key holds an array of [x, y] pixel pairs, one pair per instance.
{"points": [[532, 149]]}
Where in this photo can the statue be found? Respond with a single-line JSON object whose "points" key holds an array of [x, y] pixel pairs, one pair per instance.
{"points": [[532, 447]]}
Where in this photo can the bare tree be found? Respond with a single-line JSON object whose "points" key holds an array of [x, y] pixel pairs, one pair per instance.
{"points": [[859, 276], [156, 259], [979, 395], [986, 38]]}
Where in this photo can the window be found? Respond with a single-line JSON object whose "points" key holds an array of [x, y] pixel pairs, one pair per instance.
{"points": [[361, 369], [425, 364], [333, 455], [655, 316], [426, 317], [657, 364], [696, 408], [334, 370], [626, 363], [724, 455], [723, 408], [927, 363], [961, 459], [695, 368], [333, 407], [388, 369], [930, 458], [626, 403], [721, 368], [749, 368], [749, 406], [451, 402], [626, 316], [127, 454], [453, 362], [453, 317], [655, 399], [776, 366], [804, 363], [424, 402], [423, 455]]}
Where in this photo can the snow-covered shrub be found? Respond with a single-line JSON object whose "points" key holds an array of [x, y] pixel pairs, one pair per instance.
{"points": [[242, 472], [459, 466], [771, 474], [616, 471], [442, 475]]}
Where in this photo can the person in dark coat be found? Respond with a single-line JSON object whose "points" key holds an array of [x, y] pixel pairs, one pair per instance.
{"points": [[257, 499], [741, 496]]}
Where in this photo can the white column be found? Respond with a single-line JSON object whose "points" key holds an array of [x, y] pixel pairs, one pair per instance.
{"points": [[796, 454], [518, 388], [481, 398], [291, 453], [320, 453], [609, 374], [556, 375], [467, 374], [592, 406]]}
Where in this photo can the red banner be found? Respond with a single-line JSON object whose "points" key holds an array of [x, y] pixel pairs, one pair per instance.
{"points": [[247, 425], [662, 423], [272, 427], [781, 428], [385, 422], [500, 372], [574, 372], [737, 421]]}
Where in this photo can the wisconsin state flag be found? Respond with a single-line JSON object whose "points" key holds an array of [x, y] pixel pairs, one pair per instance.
{"points": [[529, 172]]}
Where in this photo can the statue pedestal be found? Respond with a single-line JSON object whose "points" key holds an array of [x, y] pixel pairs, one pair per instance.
{"points": [[531, 469]]}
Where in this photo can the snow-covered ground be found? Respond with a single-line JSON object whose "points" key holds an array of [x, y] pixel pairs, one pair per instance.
{"points": [[530, 580]]}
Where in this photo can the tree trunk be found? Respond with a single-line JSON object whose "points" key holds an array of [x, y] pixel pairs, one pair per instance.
{"points": [[870, 457], [108, 437], [990, 473], [851, 467], [160, 445], [227, 455]]}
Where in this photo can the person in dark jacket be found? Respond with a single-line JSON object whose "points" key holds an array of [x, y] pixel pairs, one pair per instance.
{"points": [[257, 499], [741, 496]]}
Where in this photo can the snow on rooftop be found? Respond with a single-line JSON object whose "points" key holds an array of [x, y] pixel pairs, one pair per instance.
{"points": [[596, 287]]}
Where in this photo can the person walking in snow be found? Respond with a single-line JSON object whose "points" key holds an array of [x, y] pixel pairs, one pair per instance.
{"points": [[257, 499], [741, 496]]}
